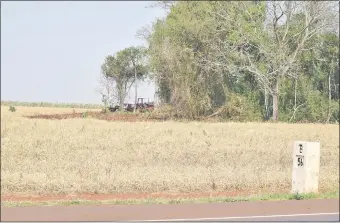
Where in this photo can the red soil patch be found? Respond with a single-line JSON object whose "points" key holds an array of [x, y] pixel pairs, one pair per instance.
{"points": [[133, 196], [99, 115]]}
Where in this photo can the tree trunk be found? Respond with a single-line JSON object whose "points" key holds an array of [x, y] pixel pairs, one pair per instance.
{"points": [[136, 99], [266, 104], [276, 101], [295, 93], [329, 98], [120, 93], [121, 96], [329, 88]]}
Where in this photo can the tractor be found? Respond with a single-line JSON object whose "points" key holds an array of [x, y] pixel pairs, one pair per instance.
{"points": [[142, 106]]}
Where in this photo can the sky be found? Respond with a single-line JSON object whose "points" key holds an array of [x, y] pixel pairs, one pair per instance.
{"points": [[52, 51]]}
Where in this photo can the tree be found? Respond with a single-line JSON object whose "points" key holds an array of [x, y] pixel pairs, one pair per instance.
{"points": [[185, 59], [107, 90], [165, 5], [270, 50], [232, 57], [320, 64], [137, 57], [124, 68], [174, 49]]}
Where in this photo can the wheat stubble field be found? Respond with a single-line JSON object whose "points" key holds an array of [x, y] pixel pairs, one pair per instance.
{"points": [[86, 155]]}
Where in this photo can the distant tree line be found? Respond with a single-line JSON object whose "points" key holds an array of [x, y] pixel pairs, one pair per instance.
{"points": [[240, 60]]}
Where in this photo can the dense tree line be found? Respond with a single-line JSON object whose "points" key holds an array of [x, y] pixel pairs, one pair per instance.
{"points": [[247, 60]]}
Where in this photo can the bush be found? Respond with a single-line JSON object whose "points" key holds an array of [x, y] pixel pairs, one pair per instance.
{"points": [[335, 117], [240, 108], [85, 114], [162, 112], [12, 109], [316, 109], [105, 110]]}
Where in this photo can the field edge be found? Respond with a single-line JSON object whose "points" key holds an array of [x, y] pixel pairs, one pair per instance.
{"points": [[264, 197]]}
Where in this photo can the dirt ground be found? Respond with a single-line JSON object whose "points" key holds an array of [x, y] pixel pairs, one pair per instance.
{"points": [[127, 117], [126, 196]]}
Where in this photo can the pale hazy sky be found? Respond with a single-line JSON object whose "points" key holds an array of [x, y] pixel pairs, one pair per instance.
{"points": [[52, 51]]}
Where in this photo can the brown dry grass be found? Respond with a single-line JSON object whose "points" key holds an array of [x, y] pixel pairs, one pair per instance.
{"points": [[94, 156]]}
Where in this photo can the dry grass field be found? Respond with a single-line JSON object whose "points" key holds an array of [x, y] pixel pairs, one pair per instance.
{"points": [[24, 110], [87, 155]]}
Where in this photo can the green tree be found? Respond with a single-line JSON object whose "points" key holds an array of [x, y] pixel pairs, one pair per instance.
{"points": [[125, 68], [180, 55], [320, 65], [270, 52], [229, 58], [137, 57]]}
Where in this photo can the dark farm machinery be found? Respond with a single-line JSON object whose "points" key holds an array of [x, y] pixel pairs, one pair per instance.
{"points": [[141, 106]]}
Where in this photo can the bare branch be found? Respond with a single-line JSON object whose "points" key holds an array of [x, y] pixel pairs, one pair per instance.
{"points": [[295, 110]]}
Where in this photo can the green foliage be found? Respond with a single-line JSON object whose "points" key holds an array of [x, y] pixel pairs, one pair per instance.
{"points": [[241, 108], [12, 109], [317, 108], [312, 105], [85, 114], [297, 196], [105, 110], [219, 56], [122, 67], [178, 49]]}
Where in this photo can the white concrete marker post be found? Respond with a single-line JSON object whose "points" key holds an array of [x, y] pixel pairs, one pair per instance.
{"points": [[306, 166]]}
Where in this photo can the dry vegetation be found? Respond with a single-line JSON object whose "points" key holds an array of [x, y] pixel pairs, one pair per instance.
{"points": [[24, 110], [49, 105], [95, 156]]}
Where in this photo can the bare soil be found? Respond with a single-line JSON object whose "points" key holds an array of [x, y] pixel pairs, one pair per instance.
{"points": [[138, 117], [127, 196]]}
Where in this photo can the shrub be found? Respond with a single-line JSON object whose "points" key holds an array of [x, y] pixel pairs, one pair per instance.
{"points": [[85, 114], [162, 112], [316, 109], [105, 110], [12, 108], [240, 108]]}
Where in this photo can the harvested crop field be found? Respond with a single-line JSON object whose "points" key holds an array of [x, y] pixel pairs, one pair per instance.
{"points": [[31, 111], [91, 156], [127, 117]]}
